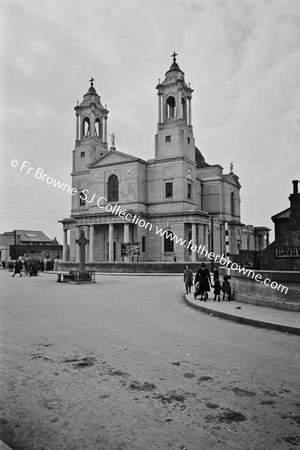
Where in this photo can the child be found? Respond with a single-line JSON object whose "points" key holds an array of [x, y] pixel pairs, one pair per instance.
{"points": [[217, 289], [188, 279], [226, 288]]}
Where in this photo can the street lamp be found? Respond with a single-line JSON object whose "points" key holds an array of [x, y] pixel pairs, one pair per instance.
{"points": [[212, 240]]}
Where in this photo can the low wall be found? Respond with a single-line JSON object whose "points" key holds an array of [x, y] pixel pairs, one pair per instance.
{"points": [[247, 290], [130, 267]]}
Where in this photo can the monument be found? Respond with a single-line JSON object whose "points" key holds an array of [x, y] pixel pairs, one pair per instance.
{"points": [[82, 275]]}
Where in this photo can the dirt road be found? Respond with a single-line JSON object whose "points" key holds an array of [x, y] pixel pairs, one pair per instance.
{"points": [[126, 364]]}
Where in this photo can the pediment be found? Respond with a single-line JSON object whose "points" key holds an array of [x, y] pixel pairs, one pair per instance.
{"points": [[113, 157], [233, 179]]}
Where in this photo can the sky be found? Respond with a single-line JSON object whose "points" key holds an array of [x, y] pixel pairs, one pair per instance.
{"points": [[242, 58]]}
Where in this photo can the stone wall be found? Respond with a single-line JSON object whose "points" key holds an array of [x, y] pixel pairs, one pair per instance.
{"points": [[130, 267], [248, 290]]}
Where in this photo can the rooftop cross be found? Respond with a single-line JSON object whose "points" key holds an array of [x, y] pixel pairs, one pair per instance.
{"points": [[174, 56], [92, 81]]}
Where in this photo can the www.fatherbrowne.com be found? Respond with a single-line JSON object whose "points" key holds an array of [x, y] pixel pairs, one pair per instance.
{"points": [[222, 260], [115, 209]]}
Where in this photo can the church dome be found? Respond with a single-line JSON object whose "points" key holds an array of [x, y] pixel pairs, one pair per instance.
{"points": [[174, 66], [200, 161], [92, 90]]}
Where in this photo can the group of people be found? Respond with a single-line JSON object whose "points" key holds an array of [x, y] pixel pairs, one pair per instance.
{"points": [[31, 266], [203, 284]]}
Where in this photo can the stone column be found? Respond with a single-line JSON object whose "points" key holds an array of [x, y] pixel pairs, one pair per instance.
{"points": [[110, 242], [200, 231], [105, 129], [159, 108], [126, 233], [190, 111], [77, 127], [92, 243], [65, 246], [206, 243], [80, 128], [194, 237], [87, 247], [164, 111], [126, 238], [178, 106], [76, 246], [92, 126]]}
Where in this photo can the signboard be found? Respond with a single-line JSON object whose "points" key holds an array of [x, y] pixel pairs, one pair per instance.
{"points": [[130, 249], [287, 252]]}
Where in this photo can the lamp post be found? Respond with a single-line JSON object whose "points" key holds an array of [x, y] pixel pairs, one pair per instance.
{"points": [[212, 240]]}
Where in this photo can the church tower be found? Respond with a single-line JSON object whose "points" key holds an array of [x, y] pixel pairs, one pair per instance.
{"points": [[174, 130], [91, 130]]}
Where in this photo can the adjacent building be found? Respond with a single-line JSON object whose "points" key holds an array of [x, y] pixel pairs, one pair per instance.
{"points": [[166, 206], [284, 253], [28, 243]]}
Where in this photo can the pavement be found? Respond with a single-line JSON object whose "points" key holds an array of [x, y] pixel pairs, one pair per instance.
{"points": [[143, 338], [259, 316]]}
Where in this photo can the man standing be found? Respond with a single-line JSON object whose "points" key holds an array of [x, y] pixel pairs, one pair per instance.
{"points": [[18, 267]]}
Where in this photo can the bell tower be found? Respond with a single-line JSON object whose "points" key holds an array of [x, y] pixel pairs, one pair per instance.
{"points": [[174, 130], [91, 129]]}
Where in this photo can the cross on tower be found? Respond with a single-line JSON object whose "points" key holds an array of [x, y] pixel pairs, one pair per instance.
{"points": [[174, 56], [92, 81]]}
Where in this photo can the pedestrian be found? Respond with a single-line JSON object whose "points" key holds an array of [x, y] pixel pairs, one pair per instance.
{"points": [[3, 264], [217, 290], [226, 288], [18, 267], [203, 278], [188, 279], [216, 274]]}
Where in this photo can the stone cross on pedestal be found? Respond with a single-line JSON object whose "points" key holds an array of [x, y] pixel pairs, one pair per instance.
{"points": [[82, 242]]}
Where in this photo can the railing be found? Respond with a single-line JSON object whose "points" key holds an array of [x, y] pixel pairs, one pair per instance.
{"points": [[77, 277]]}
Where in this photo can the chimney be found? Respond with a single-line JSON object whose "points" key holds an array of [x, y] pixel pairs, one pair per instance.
{"points": [[295, 184], [295, 207]]}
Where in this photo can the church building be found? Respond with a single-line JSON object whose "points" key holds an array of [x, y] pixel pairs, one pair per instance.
{"points": [[170, 208]]}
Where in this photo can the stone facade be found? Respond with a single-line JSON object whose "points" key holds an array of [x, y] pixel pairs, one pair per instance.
{"points": [[123, 199]]}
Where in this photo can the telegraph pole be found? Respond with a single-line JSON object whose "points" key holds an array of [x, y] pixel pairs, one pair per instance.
{"points": [[212, 240]]}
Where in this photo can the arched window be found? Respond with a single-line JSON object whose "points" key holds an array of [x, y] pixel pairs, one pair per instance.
{"points": [[98, 128], [232, 209], [113, 189], [171, 107], [86, 127], [168, 243]]}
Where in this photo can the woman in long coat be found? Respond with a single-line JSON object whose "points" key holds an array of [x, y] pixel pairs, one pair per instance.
{"points": [[203, 278], [188, 279]]}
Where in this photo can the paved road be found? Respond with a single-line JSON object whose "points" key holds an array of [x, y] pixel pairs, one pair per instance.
{"points": [[126, 364]]}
